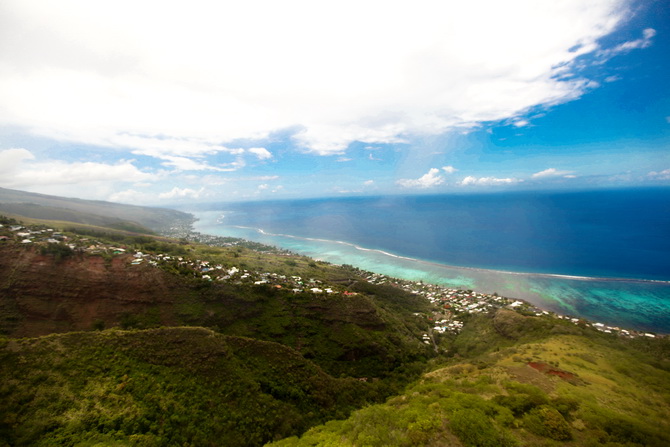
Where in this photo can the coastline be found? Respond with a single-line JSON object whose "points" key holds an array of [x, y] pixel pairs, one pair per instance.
{"points": [[642, 305], [460, 267]]}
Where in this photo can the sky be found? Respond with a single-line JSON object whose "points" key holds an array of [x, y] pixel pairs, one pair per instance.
{"points": [[161, 103]]}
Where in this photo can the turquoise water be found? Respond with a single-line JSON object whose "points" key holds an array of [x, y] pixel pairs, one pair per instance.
{"points": [[627, 303], [607, 233]]}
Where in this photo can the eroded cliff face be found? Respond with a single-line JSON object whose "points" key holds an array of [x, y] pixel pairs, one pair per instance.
{"points": [[40, 294], [354, 335]]}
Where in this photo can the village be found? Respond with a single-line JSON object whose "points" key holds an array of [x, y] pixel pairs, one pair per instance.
{"points": [[451, 305]]}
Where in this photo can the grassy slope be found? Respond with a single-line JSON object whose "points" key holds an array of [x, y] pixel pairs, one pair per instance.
{"points": [[615, 393], [66, 224], [44, 213], [153, 218]]}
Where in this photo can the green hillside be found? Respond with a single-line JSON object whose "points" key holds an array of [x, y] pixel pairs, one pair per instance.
{"points": [[49, 287], [94, 212], [114, 338], [167, 386], [48, 213], [539, 383]]}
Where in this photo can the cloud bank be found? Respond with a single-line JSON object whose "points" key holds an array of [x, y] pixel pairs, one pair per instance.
{"points": [[489, 181], [19, 170], [165, 81], [552, 172]]}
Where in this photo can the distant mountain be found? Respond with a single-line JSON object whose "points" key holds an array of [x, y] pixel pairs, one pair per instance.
{"points": [[90, 212]]}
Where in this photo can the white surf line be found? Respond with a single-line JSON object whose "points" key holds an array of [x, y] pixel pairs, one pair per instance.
{"points": [[330, 241], [458, 267]]}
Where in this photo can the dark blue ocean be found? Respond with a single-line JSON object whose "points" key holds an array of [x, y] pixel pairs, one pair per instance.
{"points": [[602, 255]]}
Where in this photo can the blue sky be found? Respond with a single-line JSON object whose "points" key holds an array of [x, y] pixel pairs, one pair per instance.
{"points": [[152, 103]]}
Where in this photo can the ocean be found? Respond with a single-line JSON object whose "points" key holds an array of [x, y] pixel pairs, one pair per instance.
{"points": [[602, 255]]}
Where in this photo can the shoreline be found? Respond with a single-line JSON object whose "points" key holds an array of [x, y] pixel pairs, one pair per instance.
{"points": [[544, 299], [451, 266]]}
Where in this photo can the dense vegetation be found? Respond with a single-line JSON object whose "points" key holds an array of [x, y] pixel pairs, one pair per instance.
{"points": [[259, 363], [548, 385], [163, 387]]}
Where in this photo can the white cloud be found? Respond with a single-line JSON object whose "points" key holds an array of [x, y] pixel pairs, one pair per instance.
{"points": [[20, 169], [449, 169], [553, 172], [132, 196], [428, 180], [368, 182], [188, 164], [49, 173], [11, 159], [261, 153], [161, 146], [263, 178], [266, 187], [662, 175], [115, 75], [643, 42], [181, 193], [488, 181]]}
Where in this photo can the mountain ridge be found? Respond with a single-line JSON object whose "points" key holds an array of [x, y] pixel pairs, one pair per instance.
{"points": [[109, 213]]}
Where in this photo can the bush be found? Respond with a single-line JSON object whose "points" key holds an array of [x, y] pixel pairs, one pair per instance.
{"points": [[475, 429], [57, 250], [617, 428], [547, 422], [565, 405], [522, 398]]}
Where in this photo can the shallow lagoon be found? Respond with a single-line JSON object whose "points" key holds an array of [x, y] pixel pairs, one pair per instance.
{"points": [[628, 303]]}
